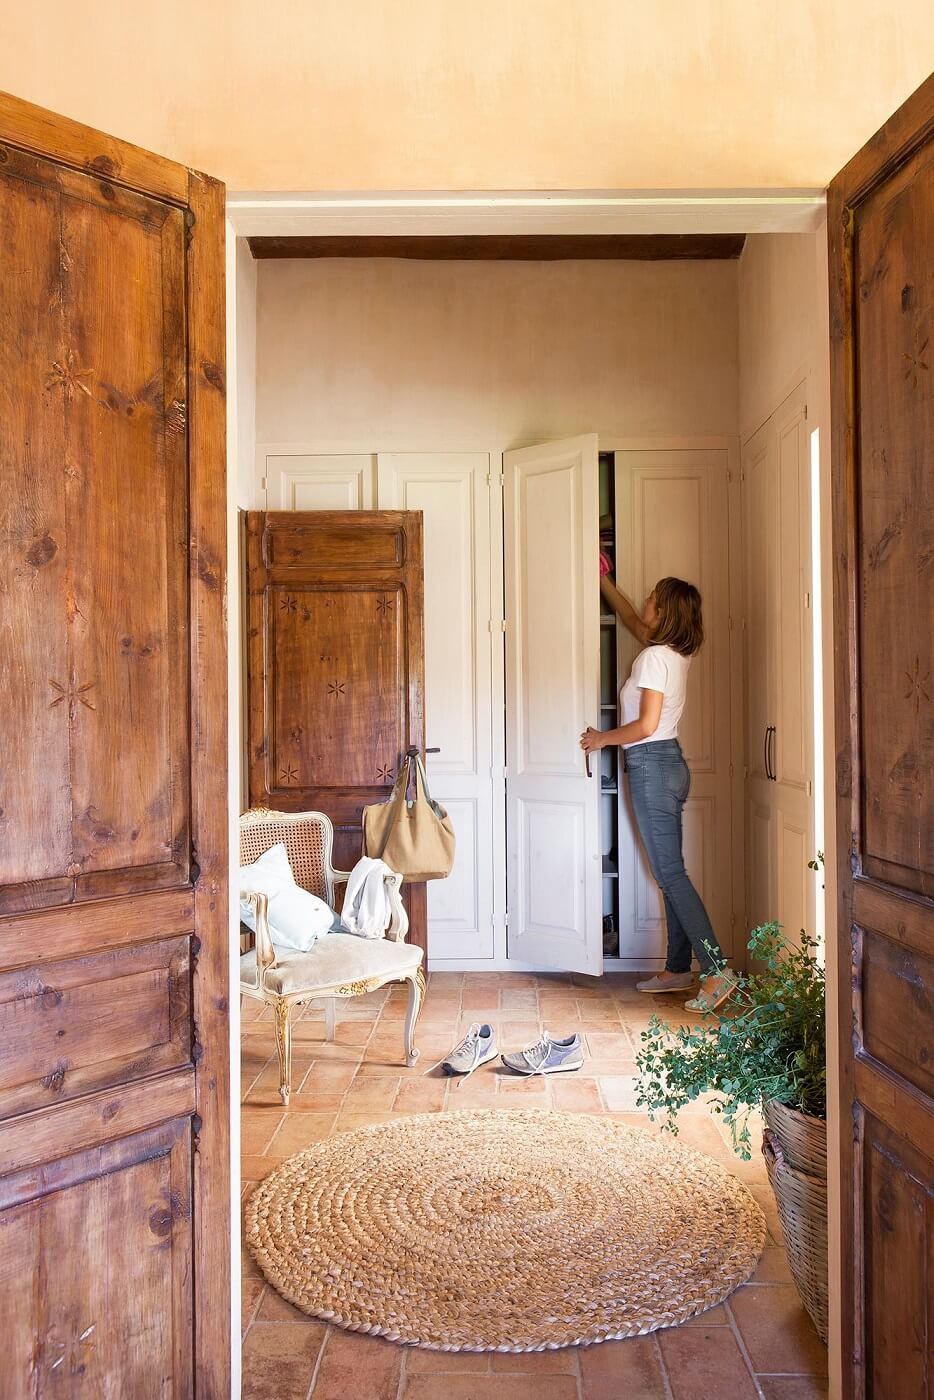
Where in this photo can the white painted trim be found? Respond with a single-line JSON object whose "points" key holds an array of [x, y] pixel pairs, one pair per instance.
{"points": [[501, 964], [384, 213]]}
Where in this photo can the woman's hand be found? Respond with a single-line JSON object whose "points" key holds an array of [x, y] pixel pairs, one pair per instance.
{"points": [[592, 740]]}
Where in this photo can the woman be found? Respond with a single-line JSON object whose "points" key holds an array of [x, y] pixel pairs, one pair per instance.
{"points": [[671, 631]]}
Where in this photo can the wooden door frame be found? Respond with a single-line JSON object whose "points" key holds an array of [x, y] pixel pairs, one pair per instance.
{"points": [[888, 149], [203, 908]]}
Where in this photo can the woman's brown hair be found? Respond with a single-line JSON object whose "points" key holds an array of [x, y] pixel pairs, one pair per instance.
{"points": [[680, 624]]}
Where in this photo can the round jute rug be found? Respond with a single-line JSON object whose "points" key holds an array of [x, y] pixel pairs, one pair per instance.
{"points": [[491, 1230]]}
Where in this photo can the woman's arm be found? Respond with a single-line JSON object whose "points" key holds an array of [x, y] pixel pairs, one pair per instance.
{"points": [[624, 610], [650, 712]]}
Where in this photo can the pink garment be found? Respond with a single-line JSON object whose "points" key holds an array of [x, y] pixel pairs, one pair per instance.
{"points": [[605, 566]]}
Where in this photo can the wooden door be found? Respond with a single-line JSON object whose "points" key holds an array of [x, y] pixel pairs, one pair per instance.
{"points": [[452, 491], [673, 517], [336, 666], [881, 231], [553, 859], [114, 1188], [778, 649]]}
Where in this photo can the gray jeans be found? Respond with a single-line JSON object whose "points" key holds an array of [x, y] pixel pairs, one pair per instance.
{"points": [[659, 782]]}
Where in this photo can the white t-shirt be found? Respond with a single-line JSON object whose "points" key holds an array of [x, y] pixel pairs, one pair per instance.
{"points": [[656, 668]]}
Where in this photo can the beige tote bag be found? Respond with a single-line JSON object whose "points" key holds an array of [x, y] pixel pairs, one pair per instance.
{"points": [[416, 839]]}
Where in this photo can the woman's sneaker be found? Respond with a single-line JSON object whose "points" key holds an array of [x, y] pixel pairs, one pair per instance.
{"points": [[678, 982], [477, 1047], [547, 1056]]}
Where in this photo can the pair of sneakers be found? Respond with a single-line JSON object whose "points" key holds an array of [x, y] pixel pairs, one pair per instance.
{"points": [[545, 1056]]}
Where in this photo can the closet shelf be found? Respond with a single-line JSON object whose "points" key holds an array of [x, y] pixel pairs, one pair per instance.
{"points": [[607, 619], [609, 791], [608, 709], [610, 871]]}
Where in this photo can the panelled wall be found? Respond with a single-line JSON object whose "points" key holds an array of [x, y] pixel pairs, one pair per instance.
{"points": [[397, 384]]}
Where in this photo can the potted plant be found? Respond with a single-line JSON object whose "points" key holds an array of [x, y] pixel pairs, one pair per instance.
{"points": [[766, 1054]]}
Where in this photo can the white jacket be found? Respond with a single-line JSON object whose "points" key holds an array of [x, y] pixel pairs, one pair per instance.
{"points": [[366, 910]]}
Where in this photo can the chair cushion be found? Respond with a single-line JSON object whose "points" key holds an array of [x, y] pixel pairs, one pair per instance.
{"points": [[335, 959], [296, 917]]}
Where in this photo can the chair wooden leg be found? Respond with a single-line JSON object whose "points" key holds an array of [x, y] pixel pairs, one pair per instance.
{"points": [[284, 1046], [330, 1018], [416, 997]]}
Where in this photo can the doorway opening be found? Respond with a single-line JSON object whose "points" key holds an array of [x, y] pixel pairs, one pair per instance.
{"points": [[359, 389]]}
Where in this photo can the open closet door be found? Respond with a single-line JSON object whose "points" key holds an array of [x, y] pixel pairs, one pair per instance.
{"points": [[880, 223], [552, 694]]}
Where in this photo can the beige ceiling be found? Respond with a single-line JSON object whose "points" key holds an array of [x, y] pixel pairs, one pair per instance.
{"points": [[478, 94]]}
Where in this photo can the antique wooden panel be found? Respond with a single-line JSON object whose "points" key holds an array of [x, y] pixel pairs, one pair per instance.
{"points": [[85, 1023], [113, 833], [96, 651], [336, 665], [108, 1242], [881, 223]]}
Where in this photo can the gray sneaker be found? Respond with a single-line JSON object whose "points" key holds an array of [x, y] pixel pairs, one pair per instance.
{"points": [[547, 1056], [477, 1047]]}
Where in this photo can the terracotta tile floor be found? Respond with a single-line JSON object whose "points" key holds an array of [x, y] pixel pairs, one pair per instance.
{"points": [[758, 1344]]}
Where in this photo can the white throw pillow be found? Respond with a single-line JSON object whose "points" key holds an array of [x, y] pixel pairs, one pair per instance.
{"points": [[296, 918]]}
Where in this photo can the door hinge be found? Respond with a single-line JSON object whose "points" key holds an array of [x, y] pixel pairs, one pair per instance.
{"points": [[730, 623], [810, 788], [805, 413], [807, 600], [263, 483], [731, 770], [506, 919]]}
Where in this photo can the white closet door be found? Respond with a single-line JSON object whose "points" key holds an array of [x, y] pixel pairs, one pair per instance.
{"points": [[552, 694], [298, 480], [779, 802], [672, 518], [453, 492]]}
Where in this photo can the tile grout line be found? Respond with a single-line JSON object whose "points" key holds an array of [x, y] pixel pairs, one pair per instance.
{"points": [[663, 1368], [740, 1342], [316, 1369]]}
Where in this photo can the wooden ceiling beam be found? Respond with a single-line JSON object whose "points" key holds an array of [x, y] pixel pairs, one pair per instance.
{"points": [[504, 247]]}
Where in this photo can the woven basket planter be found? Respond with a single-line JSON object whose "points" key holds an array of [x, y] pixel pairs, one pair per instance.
{"points": [[795, 1150]]}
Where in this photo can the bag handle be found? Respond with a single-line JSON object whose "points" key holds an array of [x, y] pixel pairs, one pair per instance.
{"points": [[397, 800]]}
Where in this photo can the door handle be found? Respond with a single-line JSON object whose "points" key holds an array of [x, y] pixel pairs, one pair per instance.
{"points": [[587, 763], [768, 753]]}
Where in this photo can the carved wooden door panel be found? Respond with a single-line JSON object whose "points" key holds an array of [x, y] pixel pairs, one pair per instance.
{"points": [[114, 1189], [881, 226], [335, 665]]}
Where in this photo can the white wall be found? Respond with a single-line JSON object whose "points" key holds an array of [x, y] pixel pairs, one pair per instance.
{"points": [[784, 337], [411, 355]]}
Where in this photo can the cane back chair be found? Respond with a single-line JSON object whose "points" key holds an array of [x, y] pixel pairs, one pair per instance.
{"points": [[338, 965]]}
